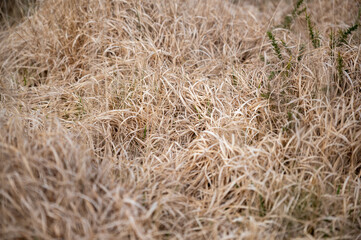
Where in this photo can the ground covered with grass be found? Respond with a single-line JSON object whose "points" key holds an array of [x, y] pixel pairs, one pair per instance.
{"points": [[180, 119]]}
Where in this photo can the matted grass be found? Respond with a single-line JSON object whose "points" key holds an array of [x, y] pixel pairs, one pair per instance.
{"points": [[178, 120]]}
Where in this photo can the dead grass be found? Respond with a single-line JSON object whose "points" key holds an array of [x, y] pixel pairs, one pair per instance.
{"points": [[163, 120]]}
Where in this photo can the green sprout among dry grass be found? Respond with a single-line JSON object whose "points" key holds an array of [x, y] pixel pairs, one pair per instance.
{"points": [[184, 119]]}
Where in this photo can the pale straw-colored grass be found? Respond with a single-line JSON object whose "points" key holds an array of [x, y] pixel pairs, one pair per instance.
{"points": [[158, 120]]}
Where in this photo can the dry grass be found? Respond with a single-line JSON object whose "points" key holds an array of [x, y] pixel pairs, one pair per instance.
{"points": [[176, 120]]}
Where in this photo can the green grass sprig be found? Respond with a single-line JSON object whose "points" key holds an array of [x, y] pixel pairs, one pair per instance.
{"points": [[343, 35], [314, 36], [340, 65], [288, 20], [274, 44]]}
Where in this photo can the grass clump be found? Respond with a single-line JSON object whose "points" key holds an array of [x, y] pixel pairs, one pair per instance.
{"points": [[173, 120]]}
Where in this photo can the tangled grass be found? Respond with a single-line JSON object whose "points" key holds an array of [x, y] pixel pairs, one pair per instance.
{"points": [[177, 120]]}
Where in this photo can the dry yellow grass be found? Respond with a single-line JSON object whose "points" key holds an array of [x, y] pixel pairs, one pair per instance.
{"points": [[163, 120]]}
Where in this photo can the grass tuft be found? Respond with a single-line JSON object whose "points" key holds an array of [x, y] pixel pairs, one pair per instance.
{"points": [[167, 119]]}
